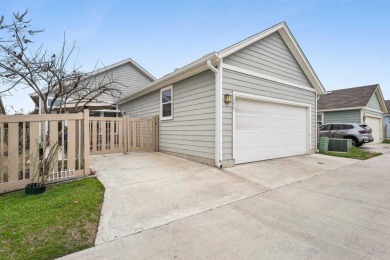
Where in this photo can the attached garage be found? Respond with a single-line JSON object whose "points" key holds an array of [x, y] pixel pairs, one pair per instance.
{"points": [[269, 128], [375, 123]]}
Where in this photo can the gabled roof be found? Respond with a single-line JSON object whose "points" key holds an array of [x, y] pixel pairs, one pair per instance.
{"points": [[200, 64], [357, 97], [34, 96], [387, 103]]}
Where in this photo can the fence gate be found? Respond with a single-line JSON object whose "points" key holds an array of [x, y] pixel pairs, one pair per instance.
{"points": [[142, 134], [123, 134]]}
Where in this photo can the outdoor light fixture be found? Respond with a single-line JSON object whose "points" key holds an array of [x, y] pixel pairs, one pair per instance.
{"points": [[227, 98]]}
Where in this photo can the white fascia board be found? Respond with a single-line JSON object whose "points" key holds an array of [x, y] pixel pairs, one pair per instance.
{"points": [[248, 41], [381, 99], [120, 63], [267, 77], [340, 109], [180, 74]]}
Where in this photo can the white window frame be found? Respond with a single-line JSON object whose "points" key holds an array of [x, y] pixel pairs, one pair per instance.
{"points": [[161, 104]]}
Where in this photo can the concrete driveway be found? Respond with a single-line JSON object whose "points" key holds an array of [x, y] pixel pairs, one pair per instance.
{"points": [[380, 148], [160, 206]]}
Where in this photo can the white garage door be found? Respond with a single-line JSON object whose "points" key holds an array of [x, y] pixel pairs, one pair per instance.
{"points": [[375, 125], [265, 130]]}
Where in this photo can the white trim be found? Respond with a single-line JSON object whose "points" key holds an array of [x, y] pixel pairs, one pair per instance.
{"points": [[381, 99], [268, 99], [340, 109], [161, 104], [291, 43], [187, 71], [374, 116], [267, 77], [373, 110], [380, 124], [279, 101]]}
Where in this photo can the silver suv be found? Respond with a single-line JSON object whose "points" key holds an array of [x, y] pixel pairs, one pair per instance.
{"points": [[358, 133]]}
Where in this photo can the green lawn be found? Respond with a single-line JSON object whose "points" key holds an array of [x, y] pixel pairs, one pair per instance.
{"points": [[58, 222], [356, 153], [386, 141]]}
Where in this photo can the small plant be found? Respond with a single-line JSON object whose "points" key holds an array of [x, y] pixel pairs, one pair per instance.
{"points": [[43, 161]]}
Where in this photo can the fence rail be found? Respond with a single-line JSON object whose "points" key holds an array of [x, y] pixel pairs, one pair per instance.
{"points": [[78, 136], [21, 139]]}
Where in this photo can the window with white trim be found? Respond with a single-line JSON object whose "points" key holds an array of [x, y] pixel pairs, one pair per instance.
{"points": [[166, 101]]}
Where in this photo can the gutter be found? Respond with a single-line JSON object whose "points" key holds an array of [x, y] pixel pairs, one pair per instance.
{"points": [[218, 114], [162, 81]]}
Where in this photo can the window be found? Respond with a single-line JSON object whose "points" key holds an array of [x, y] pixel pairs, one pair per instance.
{"points": [[347, 127], [325, 127], [166, 109], [337, 127]]}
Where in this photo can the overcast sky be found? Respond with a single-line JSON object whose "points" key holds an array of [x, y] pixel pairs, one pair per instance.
{"points": [[346, 42]]}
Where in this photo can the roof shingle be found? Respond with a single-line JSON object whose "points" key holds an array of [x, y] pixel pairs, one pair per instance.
{"points": [[387, 102], [346, 98]]}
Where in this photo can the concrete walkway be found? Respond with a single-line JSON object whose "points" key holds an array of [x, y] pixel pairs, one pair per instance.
{"points": [[208, 213]]}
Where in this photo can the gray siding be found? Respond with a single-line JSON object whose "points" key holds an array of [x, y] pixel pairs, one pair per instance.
{"points": [[346, 116], [272, 57], [192, 129], [129, 78], [386, 121], [235, 81], [374, 103]]}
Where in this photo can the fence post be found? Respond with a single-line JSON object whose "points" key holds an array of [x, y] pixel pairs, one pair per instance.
{"points": [[124, 134], [156, 133], [86, 142]]}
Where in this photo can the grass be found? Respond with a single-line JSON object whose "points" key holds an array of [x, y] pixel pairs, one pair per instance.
{"points": [[58, 222], [355, 153], [386, 141]]}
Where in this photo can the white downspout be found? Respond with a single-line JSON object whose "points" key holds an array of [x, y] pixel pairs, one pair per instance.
{"points": [[217, 114], [317, 97]]}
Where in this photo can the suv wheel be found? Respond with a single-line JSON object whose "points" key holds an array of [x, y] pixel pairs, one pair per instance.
{"points": [[354, 141]]}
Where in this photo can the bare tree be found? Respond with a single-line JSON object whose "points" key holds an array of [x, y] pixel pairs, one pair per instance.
{"points": [[48, 74], [2, 108]]}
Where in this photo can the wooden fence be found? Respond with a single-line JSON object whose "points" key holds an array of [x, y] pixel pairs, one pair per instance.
{"points": [[21, 139], [77, 135], [123, 134]]}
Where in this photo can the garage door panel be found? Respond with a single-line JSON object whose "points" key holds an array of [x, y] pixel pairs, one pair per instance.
{"points": [[265, 130], [375, 125]]}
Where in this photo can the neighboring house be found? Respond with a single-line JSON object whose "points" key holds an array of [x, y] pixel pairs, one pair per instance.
{"points": [[252, 101], [2, 108], [363, 105], [128, 73], [386, 119]]}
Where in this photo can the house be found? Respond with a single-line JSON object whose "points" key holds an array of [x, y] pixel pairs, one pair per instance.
{"points": [[363, 105], [128, 73], [254, 100], [386, 119]]}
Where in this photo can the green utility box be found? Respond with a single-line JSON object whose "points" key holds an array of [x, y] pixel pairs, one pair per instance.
{"points": [[324, 141], [340, 145]]}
